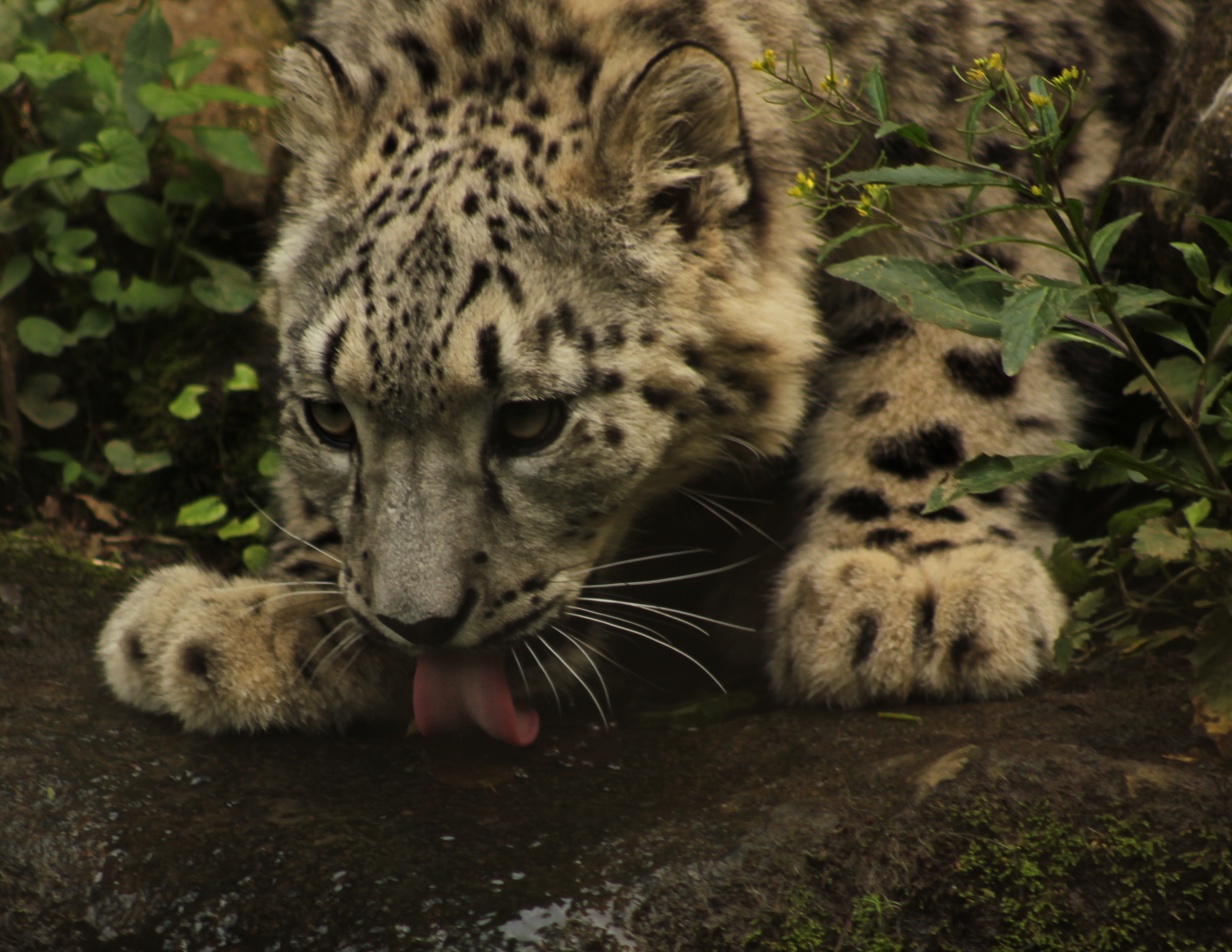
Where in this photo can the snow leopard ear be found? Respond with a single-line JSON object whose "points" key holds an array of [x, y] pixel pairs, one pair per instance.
{"points": [[678, 139], [316, 93]]}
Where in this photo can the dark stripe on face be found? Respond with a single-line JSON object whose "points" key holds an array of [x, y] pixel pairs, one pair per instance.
{"points": [[481, 274], [489, 354], [332, 345]]}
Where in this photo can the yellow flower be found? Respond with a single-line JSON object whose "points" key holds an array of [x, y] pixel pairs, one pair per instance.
{"points": [[977, 75], [1039, 101], [995, 62], [805, 185], [1068, 76], [872, 196], [767, 63], [1037, 190]]}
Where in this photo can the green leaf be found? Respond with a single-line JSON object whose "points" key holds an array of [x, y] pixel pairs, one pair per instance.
{"points": [[128, 462], [65, 248], [1166, 327], [38, 167], [913, 132], [1196, 513], [9, 74], [191, 59], [256, 558], [45, 68], [243, 377], [1105, 240], [202, 186], [1212, 539], [928, 292], [971, 128], [1067, 570], [1179, 376], [1221, 227], [70, 469], [15, 272], [235, 529], [986, 473], [72, 241], [1026, 319], [146, 51], [165, 104], [1133, 299], [231, 147], [269, 464], [874, 87], [37, 402], [1125, 523], [94, 323], [923, 176], [831, 245], [141, 295], [1156, 539], [126, 165], [1195, 261], [139, 218], [1089, 604], [229, 289], [233, 94], [186, 406], [41, 336], [1211, 691], [203, 512], [102, 77]]}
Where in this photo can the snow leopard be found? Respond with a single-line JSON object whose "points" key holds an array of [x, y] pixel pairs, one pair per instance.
{"points": [[539, 271]]}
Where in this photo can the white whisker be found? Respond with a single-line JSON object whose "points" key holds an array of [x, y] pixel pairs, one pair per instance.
{"points": [[681, 621], [577, 677], [647, 558], [669, 646], [674, 578], [705, 499], [586, 654], [278, 598], [665, 610], [712, 510], [547, 677], [513, 653], [745, 445], [325, 640], [281, 528]]}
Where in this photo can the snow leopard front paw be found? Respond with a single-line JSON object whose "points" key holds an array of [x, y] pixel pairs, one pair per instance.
{"points": [[859, 625], [239, 654]]}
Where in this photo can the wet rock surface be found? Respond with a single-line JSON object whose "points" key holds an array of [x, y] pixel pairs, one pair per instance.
{"points": [[751, 831]]}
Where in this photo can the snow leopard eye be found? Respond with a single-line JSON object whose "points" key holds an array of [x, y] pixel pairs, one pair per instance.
{"points": [[331, 422], [524, 426]]}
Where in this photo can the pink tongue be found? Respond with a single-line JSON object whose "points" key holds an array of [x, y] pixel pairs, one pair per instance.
{"points": [[456, 689]]}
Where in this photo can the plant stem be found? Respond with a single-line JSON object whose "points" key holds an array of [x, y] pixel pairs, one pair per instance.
{"points": [[8, 381]]}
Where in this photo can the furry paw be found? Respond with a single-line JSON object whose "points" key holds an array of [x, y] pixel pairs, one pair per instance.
{"points": [[858, 625], [238, 654]]}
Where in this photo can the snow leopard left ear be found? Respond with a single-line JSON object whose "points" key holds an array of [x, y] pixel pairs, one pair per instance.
{"points": [[316, 92], [677, 137]]}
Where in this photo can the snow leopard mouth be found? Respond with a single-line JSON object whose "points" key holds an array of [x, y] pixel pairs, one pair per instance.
{"points": [[454, 690]]}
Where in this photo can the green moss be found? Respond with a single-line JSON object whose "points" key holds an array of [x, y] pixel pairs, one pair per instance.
{"points": [[995, 874], [1039, 881]]}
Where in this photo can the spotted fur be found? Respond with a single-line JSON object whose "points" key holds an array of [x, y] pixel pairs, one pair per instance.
{"points": [[540, 257]]}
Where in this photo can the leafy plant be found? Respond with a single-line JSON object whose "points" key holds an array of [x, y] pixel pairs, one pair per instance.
{"points": [[1139, 585], [117, 306]]}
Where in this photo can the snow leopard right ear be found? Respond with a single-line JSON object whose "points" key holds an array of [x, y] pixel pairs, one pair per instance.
{"points": [[319, 98], [677, 138]]}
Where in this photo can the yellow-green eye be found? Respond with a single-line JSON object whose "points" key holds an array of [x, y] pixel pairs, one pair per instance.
{"points": [[331, 422], [524, 426]]}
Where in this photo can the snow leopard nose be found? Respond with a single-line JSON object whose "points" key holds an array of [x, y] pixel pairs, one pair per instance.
{"points": [[435, 630]]}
